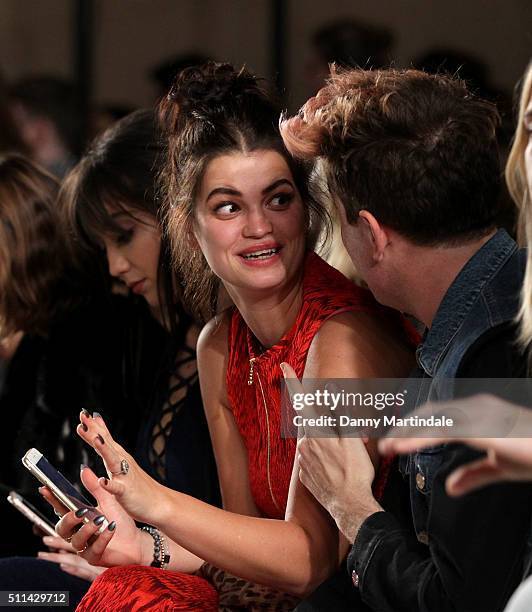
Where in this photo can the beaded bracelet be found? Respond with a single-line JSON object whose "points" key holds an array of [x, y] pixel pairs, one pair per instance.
{"points": [[161, 554]]}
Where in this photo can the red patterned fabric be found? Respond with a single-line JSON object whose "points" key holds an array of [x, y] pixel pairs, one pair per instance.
{"points": [[257, 411], [137, 588], [257, 407]]}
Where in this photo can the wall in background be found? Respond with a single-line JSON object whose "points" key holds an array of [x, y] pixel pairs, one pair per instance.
{"points": [[130, 37]]}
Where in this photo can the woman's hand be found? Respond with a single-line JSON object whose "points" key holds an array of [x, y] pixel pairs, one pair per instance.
{"points": [[63, 553], [121, 543], [137, 492]]}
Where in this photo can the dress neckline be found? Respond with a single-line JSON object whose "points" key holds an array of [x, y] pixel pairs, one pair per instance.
{"points": [[272, 351]]}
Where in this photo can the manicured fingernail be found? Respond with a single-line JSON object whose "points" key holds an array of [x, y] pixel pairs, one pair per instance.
{"points": [[41, 490], [82, 467], [112, 526], [86, 412], [100, 439], [99, 519], [96, 414], [81, 512], [84, 427]]}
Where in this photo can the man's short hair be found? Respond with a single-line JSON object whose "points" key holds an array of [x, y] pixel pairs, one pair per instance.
{"points": [[418, 151]]}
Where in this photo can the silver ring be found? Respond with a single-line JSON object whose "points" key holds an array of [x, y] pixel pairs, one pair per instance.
{"points": [[124, 468], [78, 552]]}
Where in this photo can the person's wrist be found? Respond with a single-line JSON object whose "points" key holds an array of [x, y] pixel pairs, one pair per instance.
{"points": [[146, 548], [351, 512], [165, 505]]}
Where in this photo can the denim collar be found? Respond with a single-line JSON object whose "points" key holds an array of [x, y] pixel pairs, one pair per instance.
{"points": [[460, 298]]}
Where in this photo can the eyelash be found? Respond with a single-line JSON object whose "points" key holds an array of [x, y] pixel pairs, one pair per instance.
{"points": [[124, 237], [284, 200]]}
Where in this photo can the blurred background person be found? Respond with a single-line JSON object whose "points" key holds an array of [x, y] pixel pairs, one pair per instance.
{"points": [[347, 43], [45, 113], [9, 137]]}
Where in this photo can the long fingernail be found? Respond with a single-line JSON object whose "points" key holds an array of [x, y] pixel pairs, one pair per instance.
{"points": [[82, 467], [100, 439], [99, 519], [86, 412], [96, 414], [81, 512], [112, 526]]}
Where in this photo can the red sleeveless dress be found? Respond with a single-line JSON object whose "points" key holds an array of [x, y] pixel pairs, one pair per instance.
{"points": [[254, 391]]}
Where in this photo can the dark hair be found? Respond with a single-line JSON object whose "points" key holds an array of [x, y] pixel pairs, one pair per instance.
{"points": [[120, 169], [212, 110], [163, 74], [416, 150], [55, 99], [32, 253]]}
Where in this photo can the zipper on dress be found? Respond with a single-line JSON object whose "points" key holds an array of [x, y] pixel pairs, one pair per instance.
{"points": [[251, 366], [268, 437]]}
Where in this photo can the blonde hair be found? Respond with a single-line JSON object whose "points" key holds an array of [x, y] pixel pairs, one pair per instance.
{"points": [[516, 180]]}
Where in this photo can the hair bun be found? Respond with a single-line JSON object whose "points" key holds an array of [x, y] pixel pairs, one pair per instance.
{"points": [[204, 91]]}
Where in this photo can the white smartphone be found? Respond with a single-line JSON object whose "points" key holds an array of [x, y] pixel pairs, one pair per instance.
{"points": [[31, 513], [62, 488]]}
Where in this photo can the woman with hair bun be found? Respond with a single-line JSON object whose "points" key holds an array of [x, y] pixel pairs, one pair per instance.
{"points": [[240, 215]]}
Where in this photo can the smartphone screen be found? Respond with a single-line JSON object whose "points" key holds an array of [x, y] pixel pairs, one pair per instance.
{"points": [[62, 483]]}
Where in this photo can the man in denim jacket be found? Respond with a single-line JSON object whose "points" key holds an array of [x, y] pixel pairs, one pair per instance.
{"points": [[414, 170]]}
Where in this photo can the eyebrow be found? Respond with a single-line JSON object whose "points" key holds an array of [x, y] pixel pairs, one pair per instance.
{"points": [[235, 192]]}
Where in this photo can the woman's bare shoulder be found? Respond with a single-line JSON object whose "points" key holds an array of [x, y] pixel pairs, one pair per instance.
{"points": [[358, 344], [213, 336]]}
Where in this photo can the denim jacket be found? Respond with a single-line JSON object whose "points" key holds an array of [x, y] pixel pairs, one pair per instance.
{"points": [[468, 551]]}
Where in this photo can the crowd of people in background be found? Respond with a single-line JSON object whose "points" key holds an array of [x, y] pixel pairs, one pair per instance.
{"points": [[171, 276]]}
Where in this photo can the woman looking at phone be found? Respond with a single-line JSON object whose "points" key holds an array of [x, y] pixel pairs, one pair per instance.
{"points": [[112, 210], [240, 214], [41, 305]]}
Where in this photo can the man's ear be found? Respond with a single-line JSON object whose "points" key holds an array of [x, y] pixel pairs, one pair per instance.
{"points": [[376, 234]]}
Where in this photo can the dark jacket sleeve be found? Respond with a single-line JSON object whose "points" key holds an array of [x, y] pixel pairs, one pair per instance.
{"points": [[473, 559]]}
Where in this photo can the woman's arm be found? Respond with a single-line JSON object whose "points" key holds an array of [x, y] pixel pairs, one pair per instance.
{"points": [[229, 449], [293, 555]]}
